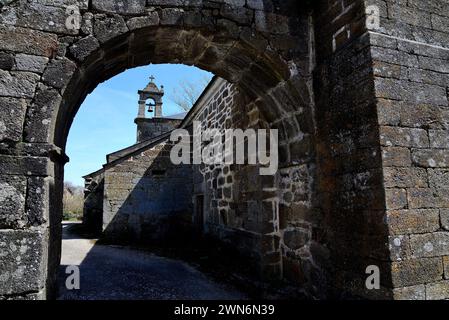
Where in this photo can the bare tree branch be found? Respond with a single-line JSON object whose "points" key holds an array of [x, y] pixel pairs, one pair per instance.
{"points": [[73, 201], [188, 92]]}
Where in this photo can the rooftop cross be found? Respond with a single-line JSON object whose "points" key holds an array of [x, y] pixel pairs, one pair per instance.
{"points": [[152, 78]]}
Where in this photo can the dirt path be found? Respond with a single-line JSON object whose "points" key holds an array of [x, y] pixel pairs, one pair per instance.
{"points": [[113, 272]]}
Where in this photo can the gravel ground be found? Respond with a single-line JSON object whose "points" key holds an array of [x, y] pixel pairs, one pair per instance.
{"points": [[120, 273]]}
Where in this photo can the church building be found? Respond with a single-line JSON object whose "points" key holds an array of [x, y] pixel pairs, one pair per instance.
{"points": [[139, 195]]}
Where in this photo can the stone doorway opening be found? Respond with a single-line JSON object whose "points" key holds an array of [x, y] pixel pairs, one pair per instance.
{"points": [[139, 198], [262, 79]]}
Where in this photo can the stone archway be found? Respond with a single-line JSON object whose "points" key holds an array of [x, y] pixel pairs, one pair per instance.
{"points": [[310, 70], [261, 52]]}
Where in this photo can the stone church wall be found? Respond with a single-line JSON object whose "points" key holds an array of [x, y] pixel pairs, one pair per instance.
{"points": [[232, 206], [269, 220], [150, 128], [146, 197]]}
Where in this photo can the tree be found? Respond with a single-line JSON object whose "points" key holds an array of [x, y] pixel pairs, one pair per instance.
{"points": [[187, 92], [73, 201]]}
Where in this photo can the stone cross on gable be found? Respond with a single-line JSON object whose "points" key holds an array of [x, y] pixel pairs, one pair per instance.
{"points": [[152, 78]]}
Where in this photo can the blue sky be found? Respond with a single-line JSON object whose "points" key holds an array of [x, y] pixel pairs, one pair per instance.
{"points": [[105, 121]]}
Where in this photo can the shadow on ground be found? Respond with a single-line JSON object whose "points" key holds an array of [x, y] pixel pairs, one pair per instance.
{"points": [[123, 273]]}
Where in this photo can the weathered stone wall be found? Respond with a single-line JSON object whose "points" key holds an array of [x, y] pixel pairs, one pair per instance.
{"points": [[93, 202], [149, 128], [364, 185], [47, 69], [386, 183], [349, 186], [268, 219], [410, 53], [234, 211], [146, 197]]}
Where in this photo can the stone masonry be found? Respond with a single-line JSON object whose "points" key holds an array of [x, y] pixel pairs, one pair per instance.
{"points": [[139, 195], [358, 90], [146, 197], [148, 128]]}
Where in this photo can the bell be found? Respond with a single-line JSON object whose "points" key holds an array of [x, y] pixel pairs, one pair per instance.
{"points": [[150, 107]]}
